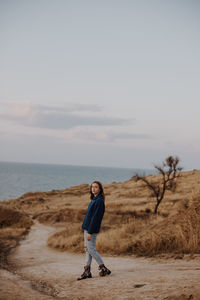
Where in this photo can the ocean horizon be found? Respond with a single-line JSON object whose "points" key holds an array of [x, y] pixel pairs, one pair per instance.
{"points": [[18, 178]]}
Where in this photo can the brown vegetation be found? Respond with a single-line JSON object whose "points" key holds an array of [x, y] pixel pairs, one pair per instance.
{"points": [[13, 225], [177, 234], [129, 225], [167, 180]]}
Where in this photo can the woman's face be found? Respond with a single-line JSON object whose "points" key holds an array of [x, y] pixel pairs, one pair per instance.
{"points": [[95, 188]]}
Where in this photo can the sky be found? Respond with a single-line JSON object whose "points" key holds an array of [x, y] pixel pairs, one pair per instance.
{"points": [[100, 83]]}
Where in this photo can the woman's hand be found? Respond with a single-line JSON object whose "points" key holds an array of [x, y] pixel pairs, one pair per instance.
{"points": [[89, 237]]}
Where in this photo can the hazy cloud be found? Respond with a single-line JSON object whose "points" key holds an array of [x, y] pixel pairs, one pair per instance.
{"points": [[102, 136], [58, 117], [128, 136]]}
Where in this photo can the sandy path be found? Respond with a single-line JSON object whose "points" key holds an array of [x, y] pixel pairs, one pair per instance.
{"points": [[42, 273]]}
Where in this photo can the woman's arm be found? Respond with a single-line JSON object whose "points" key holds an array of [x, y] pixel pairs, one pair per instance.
{"points": [[97, 217], [89, 237]]}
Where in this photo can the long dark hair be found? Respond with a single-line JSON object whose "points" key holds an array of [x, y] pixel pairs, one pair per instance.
{"points": [[100, 187]]}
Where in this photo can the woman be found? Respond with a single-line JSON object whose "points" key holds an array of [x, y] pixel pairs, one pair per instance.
{"points": [[91, 226]]}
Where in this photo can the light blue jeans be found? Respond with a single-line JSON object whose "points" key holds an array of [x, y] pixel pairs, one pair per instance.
{"points": [[90, 249]]}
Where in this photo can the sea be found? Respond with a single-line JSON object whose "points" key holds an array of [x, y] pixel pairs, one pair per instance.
{"points": [[17, 178]]}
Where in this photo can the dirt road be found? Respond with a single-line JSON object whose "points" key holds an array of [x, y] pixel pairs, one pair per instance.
{"points": [[41, 273]]}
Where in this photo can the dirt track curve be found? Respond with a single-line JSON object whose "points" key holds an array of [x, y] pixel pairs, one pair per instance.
{"points": [[42, 273]]}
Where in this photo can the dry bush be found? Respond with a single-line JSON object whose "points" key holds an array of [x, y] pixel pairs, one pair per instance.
{"points": [[74, 190], [150, 236], [131, 194], [10, 217], [79, 190], [9, 238], [70, 239], [62, 215], [13, 225], [177, 234], [117, 240]]}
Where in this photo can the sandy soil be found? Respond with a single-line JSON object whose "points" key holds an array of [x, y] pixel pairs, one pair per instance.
{"points": [[41, 273]]}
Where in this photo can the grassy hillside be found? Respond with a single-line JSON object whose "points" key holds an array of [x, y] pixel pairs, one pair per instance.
{"points": [[129, 226]]}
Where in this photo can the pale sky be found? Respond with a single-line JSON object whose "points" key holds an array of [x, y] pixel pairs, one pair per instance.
{"points": [[100, 83]]}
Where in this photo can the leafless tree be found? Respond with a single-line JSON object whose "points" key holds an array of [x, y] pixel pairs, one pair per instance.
{"points": [[168, 171]]}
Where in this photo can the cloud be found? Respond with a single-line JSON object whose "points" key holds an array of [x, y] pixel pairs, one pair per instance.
{"points": [[96, 135], [26, 106], [128, 136], [68, 123], [58, 117]]}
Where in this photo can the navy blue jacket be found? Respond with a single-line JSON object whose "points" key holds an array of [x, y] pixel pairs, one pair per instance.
{"points": [[94, 215]]}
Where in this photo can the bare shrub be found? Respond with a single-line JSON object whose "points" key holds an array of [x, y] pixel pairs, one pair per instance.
{"points": [[168, 171]]}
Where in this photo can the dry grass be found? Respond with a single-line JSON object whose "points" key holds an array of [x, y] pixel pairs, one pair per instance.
{"points": [[13, 225], [128, 227], [62, 215], [177, 234], [68, 239], [10, 218], [142, 236]]}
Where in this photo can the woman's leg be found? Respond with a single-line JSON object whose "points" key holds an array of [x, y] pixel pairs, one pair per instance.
{"points": [[91, 247], [88, 257], [91, 252]]}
